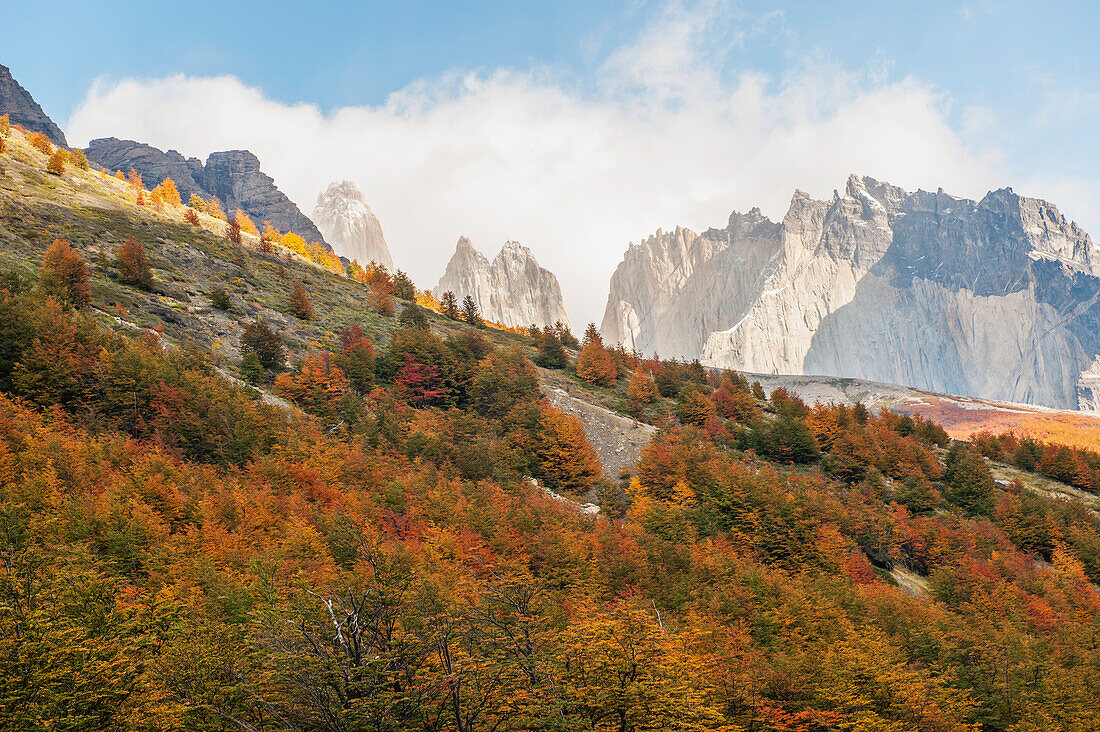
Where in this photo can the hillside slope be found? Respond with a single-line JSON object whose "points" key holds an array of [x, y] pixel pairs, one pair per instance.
{"points": [[179, 552]]}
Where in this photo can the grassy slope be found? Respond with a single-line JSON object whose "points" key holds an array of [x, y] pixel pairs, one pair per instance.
{"points": [[97, 212]]}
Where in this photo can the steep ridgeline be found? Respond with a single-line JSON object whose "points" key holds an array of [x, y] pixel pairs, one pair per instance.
{"points": [[349, 225], [512, 289], [22, 110], [234, 176], [998, 298], [676, 287]]}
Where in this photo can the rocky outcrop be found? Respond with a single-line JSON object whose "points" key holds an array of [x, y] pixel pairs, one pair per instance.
{"points": [[1088, 388], [22, 110], [349, 226], [997, 298], [233, 176], [618, 440], [153, 164], [512, 289], [676, 287]]}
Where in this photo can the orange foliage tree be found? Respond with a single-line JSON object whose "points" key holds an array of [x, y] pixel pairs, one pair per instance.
{"points": [[317, 385], [596, 366], [245, 222], [133, 265], [641, 389], [56, 164], [65, 275], [566, 459], [167, 192], [39, 142], [300, 305]]}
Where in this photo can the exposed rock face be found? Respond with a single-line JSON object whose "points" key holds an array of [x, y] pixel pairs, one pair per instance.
{"points": [[233, 176], [154, 165], [998, 298], [349, 225], [675, 288], [512, 289], [22, 110], [1088, 388]]}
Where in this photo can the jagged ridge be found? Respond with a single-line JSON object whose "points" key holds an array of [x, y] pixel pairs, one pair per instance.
{"points": [[994, 298], [350, 226], [513, 289], [234, 176]]}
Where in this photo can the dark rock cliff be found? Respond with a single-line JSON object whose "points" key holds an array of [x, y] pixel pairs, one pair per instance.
{"points": [[233, 176], [22, 110]]}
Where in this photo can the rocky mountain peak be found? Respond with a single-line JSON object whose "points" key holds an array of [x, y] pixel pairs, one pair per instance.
{"points": [[22, 110], [233, 176], [465, 245], [349, 225], [512, 289], [998, 298]]}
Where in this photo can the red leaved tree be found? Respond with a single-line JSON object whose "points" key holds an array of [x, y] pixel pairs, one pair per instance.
{"points": [[419, 384]]}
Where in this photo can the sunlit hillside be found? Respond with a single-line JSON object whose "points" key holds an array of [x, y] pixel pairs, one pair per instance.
{"points": [[241, 491]]}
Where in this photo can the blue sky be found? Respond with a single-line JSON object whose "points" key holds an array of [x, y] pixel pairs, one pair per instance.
{"points": [[536, 120]]}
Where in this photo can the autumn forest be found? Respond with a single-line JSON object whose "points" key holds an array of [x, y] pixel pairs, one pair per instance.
{"points": [[369, 516]]}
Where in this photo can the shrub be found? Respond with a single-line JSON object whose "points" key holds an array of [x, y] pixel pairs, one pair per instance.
{"points": [[39, 142], [79, 159], [265, 344], [65, 275], [3, 145], [233, 231], [414, 316], [219, 298], [300, 305], [5, 126], [133, 265], [191, 217], [56, 164]]}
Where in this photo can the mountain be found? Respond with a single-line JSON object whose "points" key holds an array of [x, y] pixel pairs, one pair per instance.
{"points": [[349, 225], [234, 176], [154, 164], [197, 485], [22, 110], [998, 298], [512, 289]]}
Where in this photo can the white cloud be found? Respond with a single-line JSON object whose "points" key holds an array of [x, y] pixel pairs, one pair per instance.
{"points": [[669, 138]]}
